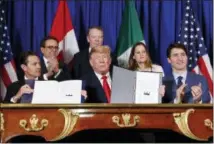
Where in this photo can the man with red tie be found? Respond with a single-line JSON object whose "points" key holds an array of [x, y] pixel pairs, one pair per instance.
{"points": [[98, 81]]}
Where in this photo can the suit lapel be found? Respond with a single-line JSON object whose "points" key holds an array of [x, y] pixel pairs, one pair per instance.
{"points": [[43, 67], [172, 79]]}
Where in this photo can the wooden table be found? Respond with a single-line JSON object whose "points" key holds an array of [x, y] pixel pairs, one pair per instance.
{"points": [[55, 122]]}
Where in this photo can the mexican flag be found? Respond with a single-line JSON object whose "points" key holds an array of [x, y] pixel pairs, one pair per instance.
{"points": [[130, 33]]}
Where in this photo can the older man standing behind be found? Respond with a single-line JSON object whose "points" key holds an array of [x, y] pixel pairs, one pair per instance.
{"points": [[81, 63]]}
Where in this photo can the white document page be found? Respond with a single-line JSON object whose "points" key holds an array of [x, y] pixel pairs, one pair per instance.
{"points": [[53, 92], [70, 91], [45, 92], [147, 87]]}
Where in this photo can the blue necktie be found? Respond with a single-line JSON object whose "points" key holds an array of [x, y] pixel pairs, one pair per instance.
{"points": [[179, 82]]}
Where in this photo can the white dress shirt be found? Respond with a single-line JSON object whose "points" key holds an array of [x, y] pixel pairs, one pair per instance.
{"points": [[176, 75], [99, 76]]}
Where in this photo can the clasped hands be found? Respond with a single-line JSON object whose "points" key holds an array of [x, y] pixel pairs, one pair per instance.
{"points": [[53, 66], [196, 91]]}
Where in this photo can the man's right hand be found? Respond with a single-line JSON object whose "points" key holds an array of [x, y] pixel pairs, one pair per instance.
{"points": [[49, 74], [180, 93], [25, 89]]}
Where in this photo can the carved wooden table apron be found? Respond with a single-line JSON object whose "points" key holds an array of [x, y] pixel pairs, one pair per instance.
{"points": [[55, 122]]}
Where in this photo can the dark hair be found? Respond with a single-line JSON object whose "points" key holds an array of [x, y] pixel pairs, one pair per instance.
{"points": [[94, 27], [175, 45], [132, 62], [43, 41], [24, 57]]}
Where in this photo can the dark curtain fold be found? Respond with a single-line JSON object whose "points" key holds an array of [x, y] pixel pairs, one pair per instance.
{"points": [[30, 21]]}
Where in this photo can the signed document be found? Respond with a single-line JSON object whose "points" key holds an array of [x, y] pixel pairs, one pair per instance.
{"points": [[54, 92], [135, 87], [147, 87]]}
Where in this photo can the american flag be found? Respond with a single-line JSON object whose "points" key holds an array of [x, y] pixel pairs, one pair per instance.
{"points": [[191, 36], [7, 66]]}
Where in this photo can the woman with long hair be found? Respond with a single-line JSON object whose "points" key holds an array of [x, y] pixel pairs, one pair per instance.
{"points": [[140, 60]]}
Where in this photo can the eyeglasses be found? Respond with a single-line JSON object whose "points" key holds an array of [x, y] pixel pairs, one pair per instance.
{"points": [[52, 47]]}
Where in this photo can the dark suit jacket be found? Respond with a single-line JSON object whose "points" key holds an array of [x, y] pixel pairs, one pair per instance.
{"points": [[94, 89], [12, 90], [64, 74], [191, 80], [81, 64]]}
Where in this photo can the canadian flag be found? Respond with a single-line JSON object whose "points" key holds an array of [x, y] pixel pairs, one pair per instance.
{"points": [[63, 30]]}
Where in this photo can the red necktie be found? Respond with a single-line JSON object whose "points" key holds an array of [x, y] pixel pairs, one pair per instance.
{"points": [[106, 88]]}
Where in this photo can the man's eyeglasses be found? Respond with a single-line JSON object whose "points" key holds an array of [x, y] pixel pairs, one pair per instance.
{"points": [[52, 47]]}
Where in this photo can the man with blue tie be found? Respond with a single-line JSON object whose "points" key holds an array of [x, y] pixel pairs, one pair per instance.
{"points": [[183, 86]]}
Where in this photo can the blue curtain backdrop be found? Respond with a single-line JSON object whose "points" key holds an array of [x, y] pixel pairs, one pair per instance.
{"points": [[29, 21]]}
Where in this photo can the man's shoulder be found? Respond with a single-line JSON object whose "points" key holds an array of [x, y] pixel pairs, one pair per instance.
{"points": [[82, 52], [88, 75], [16, 84], [195, 76]]}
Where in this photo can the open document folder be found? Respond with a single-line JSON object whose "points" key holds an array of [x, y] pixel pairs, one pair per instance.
{"points": [[52, 92], [135, 87]]}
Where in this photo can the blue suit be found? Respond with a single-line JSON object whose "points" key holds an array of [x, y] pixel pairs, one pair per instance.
{"points": [[191, 80]]}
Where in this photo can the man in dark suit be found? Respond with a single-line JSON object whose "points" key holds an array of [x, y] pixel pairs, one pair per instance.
{"points": [[182, 86], [51, 68], [30, 64], [80, 61], [98, 81]]}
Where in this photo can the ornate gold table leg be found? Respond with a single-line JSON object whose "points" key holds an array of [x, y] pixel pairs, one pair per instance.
{"points": [[181, 119], [70, 122]]}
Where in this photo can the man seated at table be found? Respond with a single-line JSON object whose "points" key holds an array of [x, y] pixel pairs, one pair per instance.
{"points": [[183, 86], [98, 81], [30, 64]]}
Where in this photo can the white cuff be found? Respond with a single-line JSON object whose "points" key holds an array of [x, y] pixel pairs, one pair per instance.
{"points": [[56, 75], [12, 100], [45, 77], [176, 101]]}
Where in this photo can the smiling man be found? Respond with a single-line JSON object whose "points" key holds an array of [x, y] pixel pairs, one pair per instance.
{"points": [[30, 64], [183, 86], [51, 68]]}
